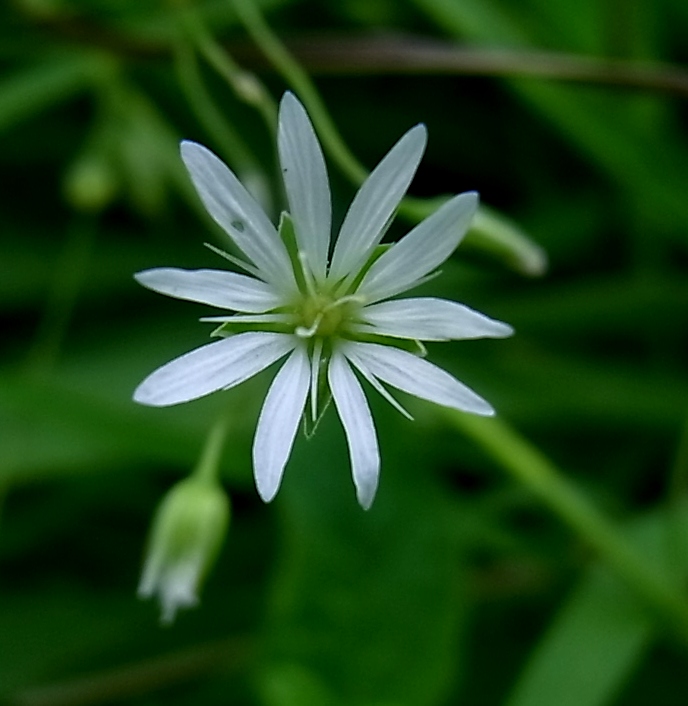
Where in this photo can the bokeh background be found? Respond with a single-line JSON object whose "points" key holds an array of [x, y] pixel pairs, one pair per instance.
{"points": [[460, 586]]}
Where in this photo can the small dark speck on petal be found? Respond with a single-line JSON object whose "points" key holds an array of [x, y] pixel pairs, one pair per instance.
{"points": [[239, 225]]}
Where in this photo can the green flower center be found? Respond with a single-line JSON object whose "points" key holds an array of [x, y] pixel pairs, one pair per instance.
{"points": [[324, 316]]}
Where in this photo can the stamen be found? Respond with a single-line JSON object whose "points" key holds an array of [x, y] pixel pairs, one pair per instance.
{"points": [[344, 300], [309, 332]]}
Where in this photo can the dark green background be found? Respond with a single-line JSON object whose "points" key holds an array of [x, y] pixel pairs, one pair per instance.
{"points": [[458, 587]]}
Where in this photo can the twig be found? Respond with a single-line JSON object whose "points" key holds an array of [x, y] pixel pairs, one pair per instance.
{"points": [[141, 678], [398, 54]]}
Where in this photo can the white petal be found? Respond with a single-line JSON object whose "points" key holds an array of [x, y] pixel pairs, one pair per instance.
{"points": [[359, 428], [176, 585], [238, 213], [216, 366], [278, 422], [416, 376], [429, 319], [306, 183], [419, 252], [375, 203], [249, 319], [381, 389], [227, 290]]}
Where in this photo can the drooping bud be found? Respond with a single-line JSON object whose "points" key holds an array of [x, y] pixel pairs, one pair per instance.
{"points": [[186, 537]]}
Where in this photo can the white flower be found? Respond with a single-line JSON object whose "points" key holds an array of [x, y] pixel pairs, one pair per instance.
{"points": [[328, 309]]}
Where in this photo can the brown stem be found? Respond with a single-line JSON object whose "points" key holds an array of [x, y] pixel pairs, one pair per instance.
{"points": [[396, 54], [393, 54], [141, 678]]}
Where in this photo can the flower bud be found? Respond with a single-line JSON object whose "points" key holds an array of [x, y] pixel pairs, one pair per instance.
{"points": [[91, 183], [185, 539]]}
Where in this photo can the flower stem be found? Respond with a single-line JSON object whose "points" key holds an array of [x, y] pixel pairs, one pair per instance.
{"points": [[245, 85], [531, 468], [208, 466], [64, 290], [233, 147], [299, 80], [490, 232]]}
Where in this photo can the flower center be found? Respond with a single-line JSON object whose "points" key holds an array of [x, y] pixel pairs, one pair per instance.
{"points": [[323, 316]]}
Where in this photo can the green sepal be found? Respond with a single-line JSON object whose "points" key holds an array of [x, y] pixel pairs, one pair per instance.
{"points": [[221, 331], [375, 255], [310, 420], [230, 328], [405, 344], [287, 233], [324, 401]]}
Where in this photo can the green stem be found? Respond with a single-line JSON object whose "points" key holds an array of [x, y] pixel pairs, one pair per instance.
{"points": [[245, 85], [490, 232], [231, 145], [299, 80], [208, 466], [531, 468], [68, 277]]}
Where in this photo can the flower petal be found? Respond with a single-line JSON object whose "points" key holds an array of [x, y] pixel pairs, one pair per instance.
{"points": [[306, 183], [227, 290], [375, 203], [381, 389], [278, 422], [239, 214], [416, 376], [213, 367], [359, 428], [419, 252], [429, 319], [176, 584], [249, 319]]}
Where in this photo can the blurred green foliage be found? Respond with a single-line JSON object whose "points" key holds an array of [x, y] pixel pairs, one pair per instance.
{"points": [[459, 586]]}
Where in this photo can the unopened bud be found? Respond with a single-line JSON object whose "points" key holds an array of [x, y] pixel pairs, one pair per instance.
{"points": [[186, 537]]}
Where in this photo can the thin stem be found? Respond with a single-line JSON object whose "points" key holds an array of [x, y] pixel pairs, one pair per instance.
{"points": [[245, 85], [412, 55], [492, 233], [208, 466], [68, 277], [390, 54], [232, 146], [531, 468], [296, 77], [144, 677]]}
